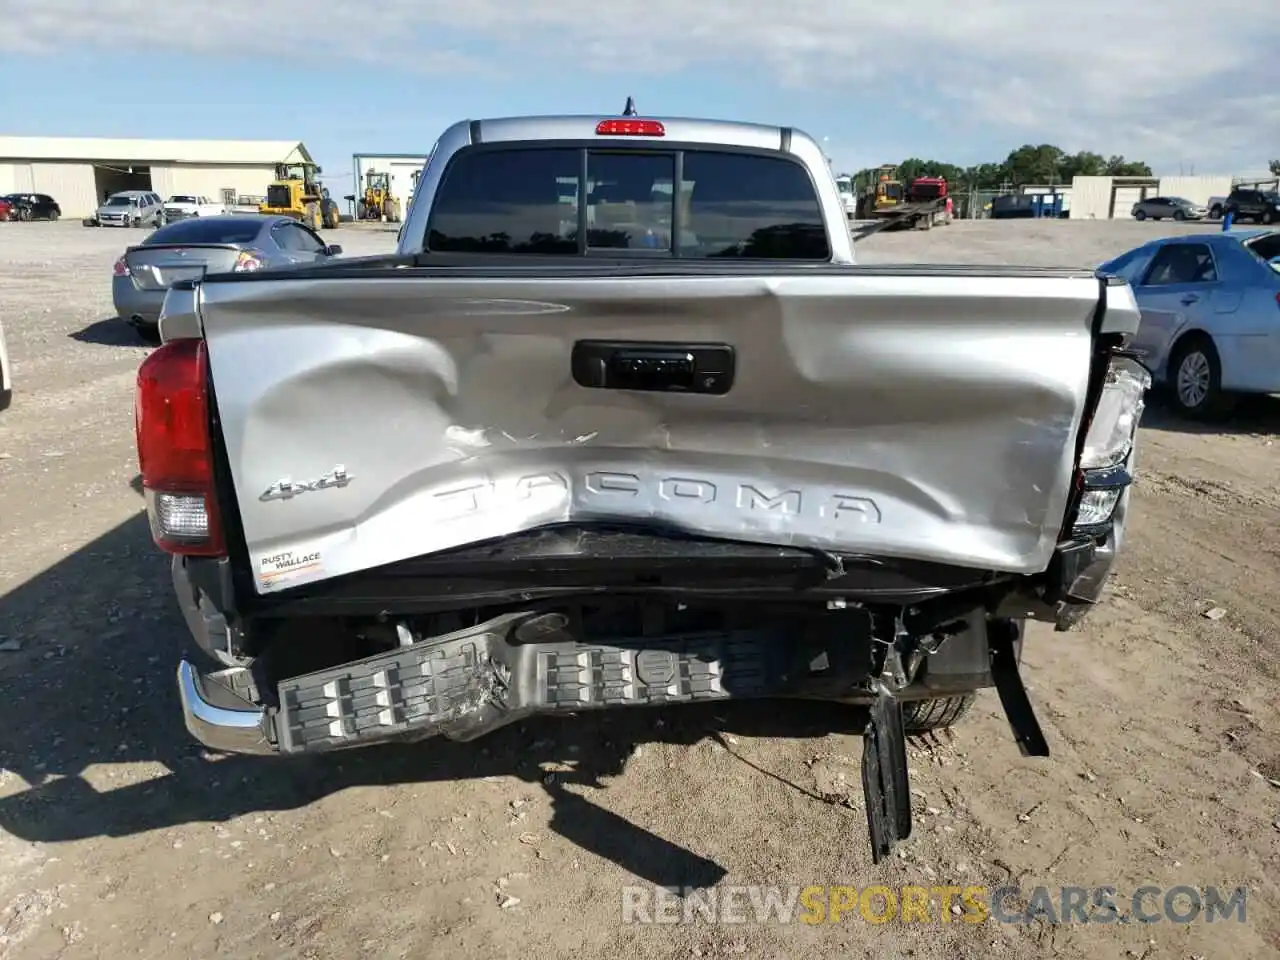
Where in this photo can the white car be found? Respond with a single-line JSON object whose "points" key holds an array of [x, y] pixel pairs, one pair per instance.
{"points": [[184, 205], [6, 373]]}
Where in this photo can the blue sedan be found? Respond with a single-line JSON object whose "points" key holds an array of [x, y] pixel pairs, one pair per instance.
{"points": [[1210, 314], [188, 249]]}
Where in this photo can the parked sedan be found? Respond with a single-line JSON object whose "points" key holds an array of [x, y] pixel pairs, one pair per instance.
{"points": [[1210, 314], [188, 249], [32, 206], [1173, 208]]}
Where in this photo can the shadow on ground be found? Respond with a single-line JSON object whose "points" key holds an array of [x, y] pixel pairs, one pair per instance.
{"points": [[94, 684], [1248, 416], [111, 332]]}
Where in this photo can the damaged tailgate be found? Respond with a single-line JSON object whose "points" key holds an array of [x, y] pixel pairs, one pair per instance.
{"points": [[918, 413]]}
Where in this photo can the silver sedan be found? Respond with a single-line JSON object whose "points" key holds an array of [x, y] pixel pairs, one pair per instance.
{"points": [[188, 249], [1210, 314], [1176, 208]]}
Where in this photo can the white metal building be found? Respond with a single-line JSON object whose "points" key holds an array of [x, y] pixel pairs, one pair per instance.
{"points": [[1105, 198], [80, 172], [401, 166]]}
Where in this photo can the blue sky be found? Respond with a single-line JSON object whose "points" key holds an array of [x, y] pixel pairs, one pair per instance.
{"points": [[1166, 82]]}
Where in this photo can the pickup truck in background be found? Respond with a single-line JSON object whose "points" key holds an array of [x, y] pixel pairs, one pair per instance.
{"points": [[622, 424], [1260, 206], [181, 206]]}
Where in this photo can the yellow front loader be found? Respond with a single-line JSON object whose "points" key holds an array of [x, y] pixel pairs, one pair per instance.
{"points": [[378, 201], [296, 192]]}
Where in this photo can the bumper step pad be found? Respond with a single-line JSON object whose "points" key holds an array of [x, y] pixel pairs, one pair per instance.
{"points": [[473, 682]]}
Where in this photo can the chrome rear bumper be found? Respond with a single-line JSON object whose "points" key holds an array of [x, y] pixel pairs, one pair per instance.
{"points": [[225, 726]]}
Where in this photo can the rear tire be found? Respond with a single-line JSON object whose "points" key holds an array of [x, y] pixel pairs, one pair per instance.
{"points": [[938, 713], [924, 716], [1195, 375], [1140, 215], [53, 216]]}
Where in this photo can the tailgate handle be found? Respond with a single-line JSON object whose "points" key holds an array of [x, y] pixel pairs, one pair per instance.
{"points": [[654, 367]]}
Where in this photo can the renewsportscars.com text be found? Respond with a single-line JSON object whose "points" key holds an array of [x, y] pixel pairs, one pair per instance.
{"points": [[932, 904]]}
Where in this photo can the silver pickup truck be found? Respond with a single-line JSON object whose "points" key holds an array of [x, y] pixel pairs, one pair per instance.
{"points": [[622, 424]]}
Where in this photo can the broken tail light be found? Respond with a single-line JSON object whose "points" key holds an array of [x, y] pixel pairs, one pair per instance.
{"points": [[175, 450], [121, 268], [1108, 455]]}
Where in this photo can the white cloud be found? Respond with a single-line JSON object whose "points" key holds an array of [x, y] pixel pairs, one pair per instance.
{"points": [[1170, 81]]}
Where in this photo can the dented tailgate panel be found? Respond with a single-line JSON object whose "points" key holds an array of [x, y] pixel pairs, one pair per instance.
{"points": [[918, 416]]}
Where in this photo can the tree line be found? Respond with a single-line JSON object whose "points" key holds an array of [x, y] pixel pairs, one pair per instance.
{"points": [[1029, 164]]}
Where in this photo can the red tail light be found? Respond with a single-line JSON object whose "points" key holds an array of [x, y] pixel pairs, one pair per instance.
{"points": [[630, 128], [175, 450], [121, 269]]}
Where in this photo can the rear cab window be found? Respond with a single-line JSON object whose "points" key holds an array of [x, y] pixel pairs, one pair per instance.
{"points": [[624, 202]]}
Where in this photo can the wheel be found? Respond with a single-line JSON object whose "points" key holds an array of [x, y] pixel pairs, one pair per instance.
{"points": [[1140, 215], [1179, 215], [1196, 377], [361, 210], [1215, 212], [1268, 216], [53, 216], [24, 215], [922, 716]]}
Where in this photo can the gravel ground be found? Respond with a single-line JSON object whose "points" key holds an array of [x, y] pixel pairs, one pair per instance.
{"points": [[119, 837]]}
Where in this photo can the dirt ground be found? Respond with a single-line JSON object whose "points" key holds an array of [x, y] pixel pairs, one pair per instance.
{"points": [[119, 837]]}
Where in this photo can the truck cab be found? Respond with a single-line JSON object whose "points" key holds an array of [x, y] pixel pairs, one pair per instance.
{"points": [[848, 196]]}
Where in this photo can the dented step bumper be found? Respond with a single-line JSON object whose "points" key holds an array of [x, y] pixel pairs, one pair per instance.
{"points": [[464, 685]]}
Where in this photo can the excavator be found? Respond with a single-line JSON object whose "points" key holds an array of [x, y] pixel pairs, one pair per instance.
{"points": [[296, 192], [378, 202]]}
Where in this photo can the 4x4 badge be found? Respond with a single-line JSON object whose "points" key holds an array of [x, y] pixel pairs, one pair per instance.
{"points": [[287, 489]]}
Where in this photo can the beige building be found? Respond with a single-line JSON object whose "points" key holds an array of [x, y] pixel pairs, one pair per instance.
{"points": [[1107, 198], [80, 172]]}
